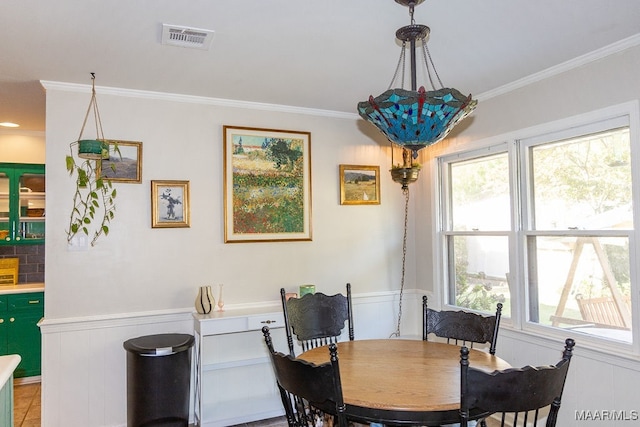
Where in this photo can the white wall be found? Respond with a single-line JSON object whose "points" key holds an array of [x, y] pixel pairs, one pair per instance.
{"points": [[137, 268], [597, 380], [18, 146], [146, 274]]}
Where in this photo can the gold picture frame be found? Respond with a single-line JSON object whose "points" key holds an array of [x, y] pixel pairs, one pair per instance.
{"points": [[170, 204], [124, 167], [267, 185], [359, 185]]}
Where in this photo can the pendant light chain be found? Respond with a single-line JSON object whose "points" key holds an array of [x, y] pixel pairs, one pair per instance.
{"points": [[426, 54], [405, 191], [401, 65]]}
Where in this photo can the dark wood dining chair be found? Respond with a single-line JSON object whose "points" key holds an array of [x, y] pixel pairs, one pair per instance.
{"points": [[304, 385], [461, 327], [317, 319], [526, 395]]}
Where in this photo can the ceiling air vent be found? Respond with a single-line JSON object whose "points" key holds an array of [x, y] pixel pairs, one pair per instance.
{"points": [[196, 38]]}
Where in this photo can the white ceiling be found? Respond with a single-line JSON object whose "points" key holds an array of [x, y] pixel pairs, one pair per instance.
{"points": [[323, 54]]}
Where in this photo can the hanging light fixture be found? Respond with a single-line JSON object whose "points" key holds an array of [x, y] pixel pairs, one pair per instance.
{"points": [[416, 118]]}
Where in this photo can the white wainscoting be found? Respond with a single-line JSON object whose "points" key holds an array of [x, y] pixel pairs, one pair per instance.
{"points": [[84, 365], [601, 389], [84, 362]]}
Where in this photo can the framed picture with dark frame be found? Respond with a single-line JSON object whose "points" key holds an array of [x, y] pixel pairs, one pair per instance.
{"points": [[267, 185], [359, 185], [170, 204], [125, 166]]}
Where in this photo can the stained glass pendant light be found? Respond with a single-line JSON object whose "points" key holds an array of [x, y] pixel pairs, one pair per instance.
{"points": [[416, 118]]}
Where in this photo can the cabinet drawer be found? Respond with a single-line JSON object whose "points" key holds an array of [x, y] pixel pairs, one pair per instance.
{"points": [[232, 321], [29, 301], [3, 303], [273, 320]]}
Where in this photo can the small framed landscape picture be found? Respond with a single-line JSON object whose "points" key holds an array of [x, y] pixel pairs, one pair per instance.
{"points": [[359, 185], [123, 164], [169, 204]]}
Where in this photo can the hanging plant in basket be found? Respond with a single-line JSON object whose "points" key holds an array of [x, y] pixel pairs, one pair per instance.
{"points": [[94, 198]]}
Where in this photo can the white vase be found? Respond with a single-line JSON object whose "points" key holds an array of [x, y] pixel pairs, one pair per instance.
{"points": [[205, 301], [220, 300]]}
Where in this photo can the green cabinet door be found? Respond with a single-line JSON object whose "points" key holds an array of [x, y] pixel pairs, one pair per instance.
{"points": [[19, 331], [22, 204], [4, 324], [24, 339]]}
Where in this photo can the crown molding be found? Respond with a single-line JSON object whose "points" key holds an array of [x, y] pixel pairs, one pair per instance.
{"points": [[595, 55], [192, 99]]}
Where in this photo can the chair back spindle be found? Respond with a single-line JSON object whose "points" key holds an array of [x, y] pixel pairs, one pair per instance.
{"points": [[461, 327], [317, 319], [524, 396], [304, 385]]}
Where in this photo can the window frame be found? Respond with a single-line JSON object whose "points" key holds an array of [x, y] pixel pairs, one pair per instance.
{"points": [[446, 231], [516, 145]]}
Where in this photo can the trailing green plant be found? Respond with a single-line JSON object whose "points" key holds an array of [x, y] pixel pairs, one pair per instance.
{"points": [[94, 197]]}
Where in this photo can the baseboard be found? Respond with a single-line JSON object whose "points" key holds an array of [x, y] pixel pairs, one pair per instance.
{"points": [[27, 380]]}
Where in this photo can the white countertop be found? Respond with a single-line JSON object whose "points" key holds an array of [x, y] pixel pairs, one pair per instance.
{"points": [[229, 313], [8, 364], [21, 288]]}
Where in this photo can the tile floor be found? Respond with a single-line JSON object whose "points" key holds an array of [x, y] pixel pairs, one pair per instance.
{"points": [[26, 405], [26, 409]]}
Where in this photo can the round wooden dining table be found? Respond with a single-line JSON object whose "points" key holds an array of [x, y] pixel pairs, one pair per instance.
{"points": [[403, 382]]}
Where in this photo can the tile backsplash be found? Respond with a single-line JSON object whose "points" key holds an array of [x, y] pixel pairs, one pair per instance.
{"points": [[31, 257]]}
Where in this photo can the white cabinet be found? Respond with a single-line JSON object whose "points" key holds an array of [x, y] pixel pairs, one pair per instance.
{"points": [[234, 379], [8, 364]]}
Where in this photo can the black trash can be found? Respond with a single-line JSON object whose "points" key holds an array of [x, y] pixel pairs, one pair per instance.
{"points": [[158, 378]]}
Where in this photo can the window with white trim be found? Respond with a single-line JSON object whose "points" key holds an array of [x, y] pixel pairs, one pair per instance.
{"points": [[545, 225]]}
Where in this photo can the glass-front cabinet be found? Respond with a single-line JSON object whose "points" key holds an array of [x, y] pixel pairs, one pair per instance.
{"points": [[22, 204]]}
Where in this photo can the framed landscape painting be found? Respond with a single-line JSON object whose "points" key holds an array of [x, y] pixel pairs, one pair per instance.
{"points": [[170, 204], [125, 166], [267, 185], [359, 185]]}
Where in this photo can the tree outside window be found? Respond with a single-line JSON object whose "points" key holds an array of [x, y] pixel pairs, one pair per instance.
{"points": [[572, 203]]}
